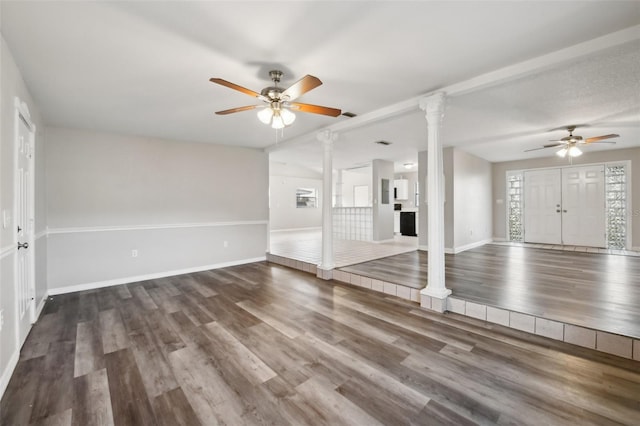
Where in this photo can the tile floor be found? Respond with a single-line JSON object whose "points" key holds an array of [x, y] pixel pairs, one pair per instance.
{"points": [[306, 246]]}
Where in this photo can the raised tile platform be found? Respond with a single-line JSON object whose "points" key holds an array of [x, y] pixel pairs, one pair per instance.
{"points": [[615, 344]]}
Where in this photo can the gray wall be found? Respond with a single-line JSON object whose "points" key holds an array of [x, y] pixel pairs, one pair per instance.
{"points": [[283, 213], [412, 177], [382, 213], [467, 206], [472, 200], [499, 182], [12, 85], [181, 205]]}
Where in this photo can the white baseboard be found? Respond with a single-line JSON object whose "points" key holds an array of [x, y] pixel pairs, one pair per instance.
{"points": [[423, 248], [635, 248], [40, 306], [466, 247], [312, 228], [127, 280], [8, 372], [499, 239], [391, 240]]}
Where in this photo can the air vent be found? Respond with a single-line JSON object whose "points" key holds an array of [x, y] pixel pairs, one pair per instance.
{"points": [[383, 142], [349, 114]]}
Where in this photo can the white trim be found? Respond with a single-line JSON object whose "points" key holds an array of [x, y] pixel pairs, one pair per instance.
{"points": [[499, 240], [6, 251], [390, 240], [40, 306], [80, 229], [8, 372], [126, 280], [466, 247], [424, 247], [310, 228]]}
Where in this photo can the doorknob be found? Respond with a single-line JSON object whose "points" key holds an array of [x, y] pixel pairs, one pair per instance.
{"points": [[23, 245]]}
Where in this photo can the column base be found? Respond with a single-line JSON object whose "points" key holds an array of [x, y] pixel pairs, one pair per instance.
{"points": [[323, 273], [434, 300]]}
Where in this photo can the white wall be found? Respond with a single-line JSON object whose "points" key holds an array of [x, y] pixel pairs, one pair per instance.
{"points": [[284, 214], [181, 205], [12, 85], [351, 179], [499, 182]]}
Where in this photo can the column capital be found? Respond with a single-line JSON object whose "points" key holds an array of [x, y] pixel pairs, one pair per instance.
{"points": [[327, 136], [433, 106]]}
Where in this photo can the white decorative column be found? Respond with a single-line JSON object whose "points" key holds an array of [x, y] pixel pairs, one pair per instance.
{"points": [[325, 270], [434, 295]]}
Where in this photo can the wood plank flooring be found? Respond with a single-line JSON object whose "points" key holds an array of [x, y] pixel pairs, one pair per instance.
{"points": [[264, 344], [598, 291]]}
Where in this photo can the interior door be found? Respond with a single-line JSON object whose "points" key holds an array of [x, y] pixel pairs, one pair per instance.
{"points": [[25, 291], [583, 206], [542, 206]]}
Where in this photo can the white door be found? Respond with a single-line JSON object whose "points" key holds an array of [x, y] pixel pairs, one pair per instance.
{"points": [[542, 202], [25, 290], [583, 206]]}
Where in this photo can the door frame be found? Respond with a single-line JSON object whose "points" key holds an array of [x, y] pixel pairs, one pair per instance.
{"points": [[22, 114], [629, 173]]}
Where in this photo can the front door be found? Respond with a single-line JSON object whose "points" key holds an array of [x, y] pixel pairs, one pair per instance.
{"points": [[583, 206], [542, 202], [25, 291]]}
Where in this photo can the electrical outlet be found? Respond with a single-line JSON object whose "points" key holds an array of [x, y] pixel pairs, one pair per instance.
{"points": [[226, 244], [134, 253]]}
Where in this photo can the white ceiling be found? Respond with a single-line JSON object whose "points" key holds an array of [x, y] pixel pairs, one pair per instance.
{"points": [[143, 68]]}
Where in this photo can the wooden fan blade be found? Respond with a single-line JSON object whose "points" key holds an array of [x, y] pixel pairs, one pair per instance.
{"points": [[235, 87], [534, 149], [544, 146], [300, 87], [315, 109], [232, 110], [599, 138]]}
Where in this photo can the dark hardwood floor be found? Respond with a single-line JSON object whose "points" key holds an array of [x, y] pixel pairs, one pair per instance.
{"points": [[263, 344], [599, 291]]}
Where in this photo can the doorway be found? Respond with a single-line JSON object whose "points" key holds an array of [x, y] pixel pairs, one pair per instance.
{"points": [[565, 206], [24, 148]]}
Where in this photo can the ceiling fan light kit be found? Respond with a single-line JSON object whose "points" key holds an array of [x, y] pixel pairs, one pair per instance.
{"points": [[277, 112], [570, 143]]}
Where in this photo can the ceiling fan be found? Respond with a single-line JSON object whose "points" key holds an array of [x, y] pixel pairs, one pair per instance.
{"points": [[570, 144], [278, 101]]}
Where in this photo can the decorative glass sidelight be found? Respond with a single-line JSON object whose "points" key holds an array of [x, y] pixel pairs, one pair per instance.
{"points": [[514, 206], [616, 196]]}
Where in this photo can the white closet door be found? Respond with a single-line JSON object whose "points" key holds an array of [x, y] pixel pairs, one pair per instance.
{"points": [[583, 206], [542, 202]]}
